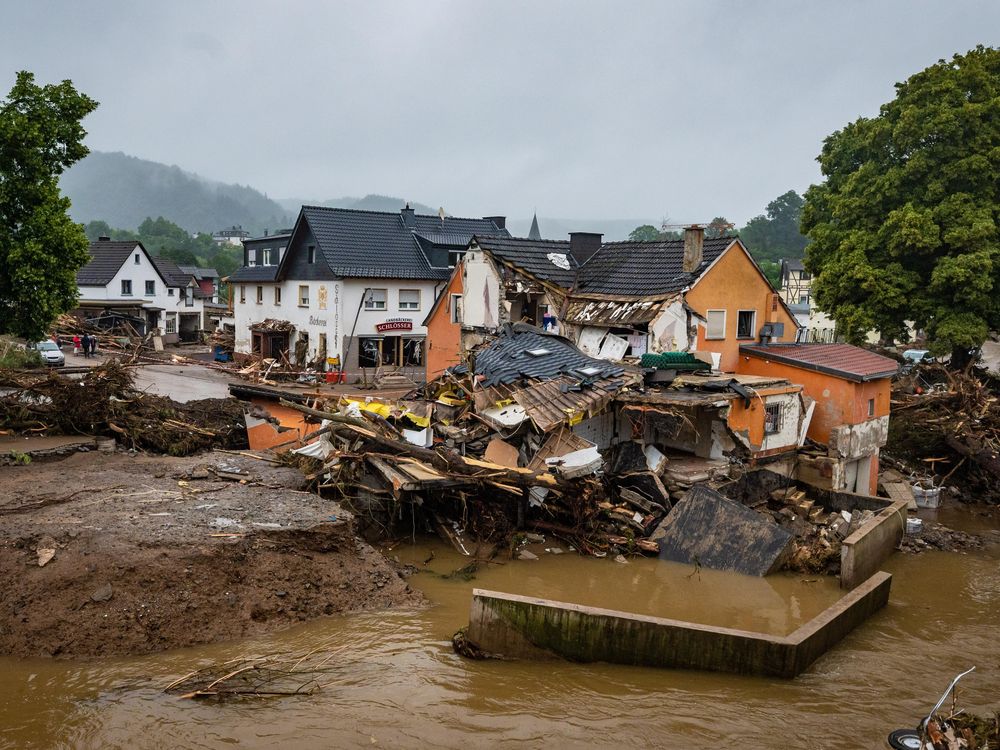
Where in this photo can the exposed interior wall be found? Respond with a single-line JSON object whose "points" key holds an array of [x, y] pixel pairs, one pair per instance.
{"points": [[748, 422], [735, 284], [669, 329], [481, 300]]}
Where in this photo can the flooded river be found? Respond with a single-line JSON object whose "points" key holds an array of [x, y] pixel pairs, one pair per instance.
{"points": [[397, 682]]}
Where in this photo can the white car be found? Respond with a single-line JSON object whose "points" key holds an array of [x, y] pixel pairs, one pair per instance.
{"points": [[51, 354]]}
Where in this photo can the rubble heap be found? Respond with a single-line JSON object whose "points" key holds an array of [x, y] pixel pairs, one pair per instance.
{"points": [[104, 402], [948, 423]]}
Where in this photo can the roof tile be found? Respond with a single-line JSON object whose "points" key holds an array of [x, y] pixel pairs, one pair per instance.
{"points": [[841, 360]]}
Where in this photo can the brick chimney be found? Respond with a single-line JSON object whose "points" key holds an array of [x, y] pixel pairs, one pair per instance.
{"points": [[694, 243], [409, 216], [584, 245], [500, 221]]}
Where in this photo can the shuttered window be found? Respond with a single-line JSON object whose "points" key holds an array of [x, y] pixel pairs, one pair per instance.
{"points": [[716, 328]]}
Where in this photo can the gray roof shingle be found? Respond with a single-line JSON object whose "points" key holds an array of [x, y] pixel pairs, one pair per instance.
{"points": [[254, 273], [200, 273], [508, 358], [377, 244], [533, 257], [106, 257], [171, 272], [641, 269]]}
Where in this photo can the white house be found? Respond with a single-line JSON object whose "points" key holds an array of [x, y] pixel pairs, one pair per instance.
{"points": [[349, 286], [122, 281]]}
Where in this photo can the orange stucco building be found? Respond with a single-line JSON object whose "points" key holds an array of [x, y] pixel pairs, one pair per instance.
{"points": [[444, 332], [850, 387], [735, 299]]}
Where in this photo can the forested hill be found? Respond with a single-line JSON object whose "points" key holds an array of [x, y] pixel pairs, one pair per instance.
{"points": [[124, 190]]}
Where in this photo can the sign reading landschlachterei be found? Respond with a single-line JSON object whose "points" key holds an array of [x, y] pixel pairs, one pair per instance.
{"points": [[395, 324]]}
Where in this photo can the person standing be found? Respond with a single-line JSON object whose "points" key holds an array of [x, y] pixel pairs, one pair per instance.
{"points": [[86, 345], [76, 344]]}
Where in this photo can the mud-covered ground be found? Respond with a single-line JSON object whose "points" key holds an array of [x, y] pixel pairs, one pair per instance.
{"points": [[111, 553]]}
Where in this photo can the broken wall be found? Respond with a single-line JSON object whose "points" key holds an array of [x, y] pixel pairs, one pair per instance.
{"points": [[481, 297], [669, 329]]}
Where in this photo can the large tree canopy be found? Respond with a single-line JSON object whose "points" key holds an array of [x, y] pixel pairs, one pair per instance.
{"points": [[40, 246], [905, 225]]}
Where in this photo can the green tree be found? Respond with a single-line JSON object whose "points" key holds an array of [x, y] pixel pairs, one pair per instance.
{"points": [[41, 248], [905, 225], [645, 233], [775, 234]]}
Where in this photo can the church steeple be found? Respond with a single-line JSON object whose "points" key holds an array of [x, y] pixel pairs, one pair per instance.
{"points": [[533, 233]]}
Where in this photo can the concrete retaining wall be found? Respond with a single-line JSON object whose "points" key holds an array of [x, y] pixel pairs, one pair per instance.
{"points": [[864, 551], [524, 627]]}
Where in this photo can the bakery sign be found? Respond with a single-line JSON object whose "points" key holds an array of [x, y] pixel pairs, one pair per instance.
{"points": [[395, 324]]}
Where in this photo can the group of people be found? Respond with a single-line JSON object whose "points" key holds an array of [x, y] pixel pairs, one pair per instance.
{"points": [[87, 342]]}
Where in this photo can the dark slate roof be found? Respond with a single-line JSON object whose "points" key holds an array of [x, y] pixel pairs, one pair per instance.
{"points": [[841, 360], [254, 273], [793, 264], [377, 244], [506, 359], [200, 273], [171, 272], [641, 269], [105, 260], [532, 256]]}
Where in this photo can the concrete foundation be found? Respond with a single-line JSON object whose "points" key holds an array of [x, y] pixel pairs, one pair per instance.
{"points": [[864, 551], [524, 627]]}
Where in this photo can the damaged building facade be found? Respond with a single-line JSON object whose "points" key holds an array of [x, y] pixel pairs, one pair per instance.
{"points": [[615, 299]]}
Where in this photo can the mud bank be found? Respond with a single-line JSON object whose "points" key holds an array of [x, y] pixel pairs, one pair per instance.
{"points": [[110, 554]]}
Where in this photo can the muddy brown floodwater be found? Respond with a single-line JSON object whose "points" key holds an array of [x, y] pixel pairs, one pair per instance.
{"points": [[397, 682]]}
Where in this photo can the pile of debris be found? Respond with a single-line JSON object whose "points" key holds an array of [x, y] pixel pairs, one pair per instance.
{"points": [[948, 424], [104, 402], [525, 440], [115, 334]]}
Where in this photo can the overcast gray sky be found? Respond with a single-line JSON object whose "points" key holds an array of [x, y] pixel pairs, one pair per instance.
{"points": [[581, 109]]}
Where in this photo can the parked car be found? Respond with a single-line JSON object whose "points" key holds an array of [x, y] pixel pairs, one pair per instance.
{"points": [[51, 354], [918, 356]]}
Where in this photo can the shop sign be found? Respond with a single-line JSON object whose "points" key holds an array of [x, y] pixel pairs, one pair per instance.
{"points": [[314, 321], [395, 324]]}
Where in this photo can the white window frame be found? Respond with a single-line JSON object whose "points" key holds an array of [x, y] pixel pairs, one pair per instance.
{"points": [[129, 292], [150, 288], [415, 305], [753, 324], [170, 325], [260, 295], [170, 291], [871, 407], [708, 325], [455, 308], [374, 305], [304, 300], [277, 295]]}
